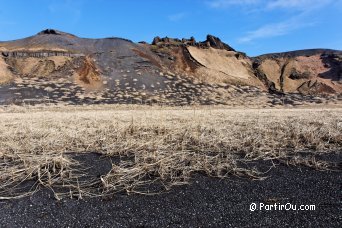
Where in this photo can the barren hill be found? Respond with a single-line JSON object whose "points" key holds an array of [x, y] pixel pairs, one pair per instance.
{"points": [[56, 66]]}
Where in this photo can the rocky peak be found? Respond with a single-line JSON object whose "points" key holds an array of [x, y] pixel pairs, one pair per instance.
{"points": [[211, 41], [54, 32], [49, 32], [215, 42]]}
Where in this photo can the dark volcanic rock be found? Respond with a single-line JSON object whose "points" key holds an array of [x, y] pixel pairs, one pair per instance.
{"points": [[55, 32], [49, 31], [314, 87], [334, 62], [215, 42], [297, 75], [156, 40], [211, 41]]}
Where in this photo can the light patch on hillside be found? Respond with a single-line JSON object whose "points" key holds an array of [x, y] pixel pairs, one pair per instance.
{"points": [[222, 61]]}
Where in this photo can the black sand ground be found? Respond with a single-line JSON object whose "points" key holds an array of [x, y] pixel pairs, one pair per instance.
{"points": [[206, 202]]}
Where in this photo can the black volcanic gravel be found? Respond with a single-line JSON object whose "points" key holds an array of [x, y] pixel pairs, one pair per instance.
{"points": [[206, 202]]}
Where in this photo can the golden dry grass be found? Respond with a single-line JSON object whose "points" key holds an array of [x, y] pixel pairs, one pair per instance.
{"points": [[164, 144]]}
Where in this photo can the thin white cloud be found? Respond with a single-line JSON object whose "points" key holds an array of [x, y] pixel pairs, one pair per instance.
{"points": [[302, 5], [269, 5], [176, 17], [228, 3], [301, 11], [275, 29]]}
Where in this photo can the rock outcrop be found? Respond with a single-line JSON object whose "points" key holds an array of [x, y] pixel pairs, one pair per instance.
{"points": [[55, 32], [216, 43], [211, 41], [49, 32]]}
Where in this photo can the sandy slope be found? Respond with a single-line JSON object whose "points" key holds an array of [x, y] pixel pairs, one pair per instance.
{"points": [[221, 61]]}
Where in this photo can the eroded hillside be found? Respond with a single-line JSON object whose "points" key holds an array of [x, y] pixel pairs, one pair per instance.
{"points": [[307, 72], [57, 67]]}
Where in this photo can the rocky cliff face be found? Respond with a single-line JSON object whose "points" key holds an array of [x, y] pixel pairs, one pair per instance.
{"points": [[180, 71], [307, 72], [37, 54]]}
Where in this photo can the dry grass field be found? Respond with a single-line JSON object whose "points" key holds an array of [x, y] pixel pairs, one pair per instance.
{"points": [[155, 144]]}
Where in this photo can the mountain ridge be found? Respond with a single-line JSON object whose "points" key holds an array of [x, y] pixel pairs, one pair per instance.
{"points": [[297, 51], [167, 69]]}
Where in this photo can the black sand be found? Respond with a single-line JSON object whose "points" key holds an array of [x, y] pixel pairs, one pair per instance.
{"points": [[206, 202]]}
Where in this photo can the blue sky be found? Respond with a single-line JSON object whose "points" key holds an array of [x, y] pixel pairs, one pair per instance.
{"points": [[252, 26]]}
